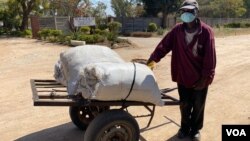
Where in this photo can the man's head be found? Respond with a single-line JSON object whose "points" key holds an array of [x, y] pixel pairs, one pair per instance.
{"points": [[189, 10], [190, 4]]}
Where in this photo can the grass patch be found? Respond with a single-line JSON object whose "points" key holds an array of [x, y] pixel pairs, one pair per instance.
{"points": [[223, 32]]}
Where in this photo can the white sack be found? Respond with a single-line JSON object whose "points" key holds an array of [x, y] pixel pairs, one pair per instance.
{"points": [[58, 73], [75, 59], [112, 81]]}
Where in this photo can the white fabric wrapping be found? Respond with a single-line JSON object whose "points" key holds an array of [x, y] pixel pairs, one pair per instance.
{"points": [[112, 81], [99, 73], [75, 59], [58, 73]]}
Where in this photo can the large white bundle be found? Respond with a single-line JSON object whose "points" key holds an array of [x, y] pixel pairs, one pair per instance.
{"points": [[58, 73], [112, 81], [75, 59]]}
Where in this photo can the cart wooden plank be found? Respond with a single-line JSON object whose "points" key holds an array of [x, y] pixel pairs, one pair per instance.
{"points": [[45, 93]]}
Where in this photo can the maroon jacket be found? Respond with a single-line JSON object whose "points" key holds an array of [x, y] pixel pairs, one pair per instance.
{"points": [[189, 64]]}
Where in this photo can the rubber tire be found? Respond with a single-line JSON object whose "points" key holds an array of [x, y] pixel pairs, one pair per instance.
{"points": [[109, 119], [82, 116]]}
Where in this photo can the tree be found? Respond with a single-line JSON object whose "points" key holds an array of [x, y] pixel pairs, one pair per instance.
{"points": [[247, 6], [26, 6], [169, 6], [99, 10], [71, 7], [151, 7], [161, 7], [121, 8], [2, 5], [139, 10], [228, 8], [99, 13], [19, 11], [205, 9], [127, 8], [11, 15], [44, 8]]}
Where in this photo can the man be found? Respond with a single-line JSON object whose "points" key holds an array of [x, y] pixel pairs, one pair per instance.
{"points": [[192, 66]]}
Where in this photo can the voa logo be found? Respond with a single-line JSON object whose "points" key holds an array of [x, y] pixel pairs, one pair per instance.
{"points": [[236, 132]]}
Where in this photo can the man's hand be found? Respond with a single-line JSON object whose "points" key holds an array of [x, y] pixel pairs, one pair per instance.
{"points": [[151, 64], [201, 84]]}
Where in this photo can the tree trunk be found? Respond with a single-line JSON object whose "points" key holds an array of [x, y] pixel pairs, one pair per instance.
{"points": [[27, 7], [164, 21], [25, 21], [164, 17]]}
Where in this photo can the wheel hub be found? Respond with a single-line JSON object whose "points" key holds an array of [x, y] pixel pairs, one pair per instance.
{"points": [[116, 133], [85, 115]]}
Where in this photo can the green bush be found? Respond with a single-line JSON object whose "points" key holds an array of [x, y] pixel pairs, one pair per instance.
{"points": [[104, 33], [64, 39], [67, 39], [247, 25], [16, 33], [98, 31], [101, 32], [91, 39], [160, 31], [53, 40], [114, 27], [76, 35], [102, 26], [44, 33], [2, 31], [98, 38], [152, 27], [85, 29], [27, 33], [112, 37], [55, 33], [237, 25]]}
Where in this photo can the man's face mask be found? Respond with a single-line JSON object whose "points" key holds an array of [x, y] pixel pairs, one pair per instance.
{"points": [[188, 16]]}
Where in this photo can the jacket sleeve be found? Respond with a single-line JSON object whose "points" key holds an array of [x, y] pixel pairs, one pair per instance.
{"points": [[164, 47], [209, 61]]}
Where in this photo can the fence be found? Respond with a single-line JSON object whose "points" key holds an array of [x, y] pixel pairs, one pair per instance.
{"points": [[59, 23], [137, 24], [128, 24], [140, 24], [221, 21]]}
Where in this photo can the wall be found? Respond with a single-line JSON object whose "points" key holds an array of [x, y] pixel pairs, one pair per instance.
{"points": [[59, 23], [137, 24]]}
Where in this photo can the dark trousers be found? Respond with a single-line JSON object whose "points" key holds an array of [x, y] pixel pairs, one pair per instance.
{"points": [[192, 105]]}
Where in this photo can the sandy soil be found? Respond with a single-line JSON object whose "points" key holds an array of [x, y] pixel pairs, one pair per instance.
{"points": [[24, 59]]}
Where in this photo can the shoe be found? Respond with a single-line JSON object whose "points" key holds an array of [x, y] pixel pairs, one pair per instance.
{"points": [[182, 134], [196, 136]]}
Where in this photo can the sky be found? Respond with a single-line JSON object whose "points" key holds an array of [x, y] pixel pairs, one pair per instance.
{"points": [[108, 3]]}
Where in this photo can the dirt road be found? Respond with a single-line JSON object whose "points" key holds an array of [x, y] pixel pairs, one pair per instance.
{"points": [[23, 59]]}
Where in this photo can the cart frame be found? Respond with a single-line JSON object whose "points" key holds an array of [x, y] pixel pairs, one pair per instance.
{"points": [[45, 93]]}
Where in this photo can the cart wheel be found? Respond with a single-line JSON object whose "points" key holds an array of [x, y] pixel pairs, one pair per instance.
{"points": [[83, 115], [113, 125]]}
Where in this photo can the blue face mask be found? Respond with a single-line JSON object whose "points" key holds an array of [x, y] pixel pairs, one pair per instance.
{"points": [[187, 17]]}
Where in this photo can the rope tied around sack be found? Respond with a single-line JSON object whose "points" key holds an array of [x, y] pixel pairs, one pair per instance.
{"points": [[133, 82]]}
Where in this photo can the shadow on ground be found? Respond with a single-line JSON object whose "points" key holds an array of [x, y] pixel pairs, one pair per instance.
{"points": [[175, 138], [69, 132], [64, 132]]}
